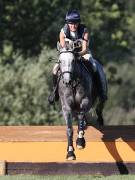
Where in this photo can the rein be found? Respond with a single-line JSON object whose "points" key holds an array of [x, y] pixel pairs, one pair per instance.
{"points": [[65, 51]]}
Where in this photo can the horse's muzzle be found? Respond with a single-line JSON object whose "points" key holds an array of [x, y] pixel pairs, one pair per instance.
{"points": [[67, 78]]}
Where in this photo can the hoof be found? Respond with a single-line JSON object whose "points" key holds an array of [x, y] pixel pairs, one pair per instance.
{"points": [[71, 156], [80, 143]]}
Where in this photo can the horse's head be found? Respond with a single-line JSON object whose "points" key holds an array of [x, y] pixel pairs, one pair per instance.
{"points": [[66, 60]]}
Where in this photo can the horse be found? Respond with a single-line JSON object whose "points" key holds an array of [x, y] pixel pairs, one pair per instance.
{"points": [[75, 88]]}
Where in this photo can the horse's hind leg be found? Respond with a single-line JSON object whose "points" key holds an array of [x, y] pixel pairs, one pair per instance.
{"points": [[99, 112], [80, 142]]}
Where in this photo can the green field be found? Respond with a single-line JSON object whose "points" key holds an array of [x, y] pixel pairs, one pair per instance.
{"points": [[66, 177]]}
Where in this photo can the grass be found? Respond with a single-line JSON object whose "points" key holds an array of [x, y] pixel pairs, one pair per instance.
{"points": [[68, 177]]}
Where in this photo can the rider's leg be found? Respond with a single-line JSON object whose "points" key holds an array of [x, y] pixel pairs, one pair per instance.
{"points": [[102, 92], [102, 82], [54, 96], [97, 70], [90, 62]]}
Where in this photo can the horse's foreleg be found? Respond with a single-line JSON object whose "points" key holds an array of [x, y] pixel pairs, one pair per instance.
{"points": [[80, 142], [69, 132], [84, 107], [70, 148]]}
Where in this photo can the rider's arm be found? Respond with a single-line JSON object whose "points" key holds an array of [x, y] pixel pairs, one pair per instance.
{"points": [[62, 39], [85, 44]]}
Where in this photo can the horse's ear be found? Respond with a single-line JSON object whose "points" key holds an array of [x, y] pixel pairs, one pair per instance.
{"points": [[58, 46]]}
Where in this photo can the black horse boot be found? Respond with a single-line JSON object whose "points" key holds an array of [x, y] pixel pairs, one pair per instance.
{"points": [[54, 96]]}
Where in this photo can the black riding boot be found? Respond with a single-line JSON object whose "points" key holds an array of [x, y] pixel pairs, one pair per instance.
{"points": [[101, 90], [101, 86], [99, 78], [54, 96], [89, 66]]}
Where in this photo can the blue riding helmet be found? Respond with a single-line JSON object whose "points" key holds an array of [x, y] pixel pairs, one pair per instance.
{"points": [[73, 16]]}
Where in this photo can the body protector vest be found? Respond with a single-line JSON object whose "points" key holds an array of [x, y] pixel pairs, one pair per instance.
{"points": [[77, 36]]}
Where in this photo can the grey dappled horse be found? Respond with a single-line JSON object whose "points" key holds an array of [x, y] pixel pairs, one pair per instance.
{"points": [[75, 91]]}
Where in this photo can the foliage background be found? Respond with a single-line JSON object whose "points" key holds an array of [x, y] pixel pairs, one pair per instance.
{"points": [[29, 31]]}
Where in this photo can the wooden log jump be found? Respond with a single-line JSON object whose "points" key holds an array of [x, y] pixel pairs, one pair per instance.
{"points": [[42, 150]]}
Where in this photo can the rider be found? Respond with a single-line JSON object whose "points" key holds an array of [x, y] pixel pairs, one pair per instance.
{"points": [[78, 32]]}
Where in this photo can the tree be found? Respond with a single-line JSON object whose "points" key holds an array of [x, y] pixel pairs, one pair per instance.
{"points": [[28, 25], [108, 21]]}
